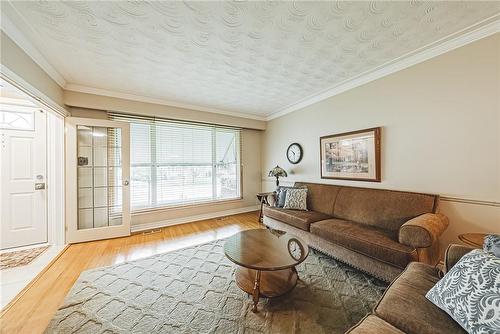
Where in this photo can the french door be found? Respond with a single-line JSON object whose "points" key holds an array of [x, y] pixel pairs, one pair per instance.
{"points": [[97, 179]]}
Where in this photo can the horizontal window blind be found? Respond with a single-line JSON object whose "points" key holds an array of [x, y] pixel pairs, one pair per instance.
{"points": [[176, 163]]}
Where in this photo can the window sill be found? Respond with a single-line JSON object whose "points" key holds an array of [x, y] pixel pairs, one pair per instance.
{"points": [[185, 206]]}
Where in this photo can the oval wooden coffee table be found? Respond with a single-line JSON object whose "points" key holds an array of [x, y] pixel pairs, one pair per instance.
{"points": [[266, 261]]}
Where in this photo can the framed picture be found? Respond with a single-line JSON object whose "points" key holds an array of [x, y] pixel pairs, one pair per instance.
{"points": [[351, 155]]}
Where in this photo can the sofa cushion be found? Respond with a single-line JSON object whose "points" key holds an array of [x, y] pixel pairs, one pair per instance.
{"points": [[371, 324], [404, 304], [296, 218], [367, 240], [320, 197], [385, 209]]}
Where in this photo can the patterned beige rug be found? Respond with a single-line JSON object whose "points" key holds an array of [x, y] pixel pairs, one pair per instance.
{"points": [[193, 291], [20, 258]]}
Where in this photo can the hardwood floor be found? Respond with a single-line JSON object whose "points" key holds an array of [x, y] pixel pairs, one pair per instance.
{"points": [[32, 312]]}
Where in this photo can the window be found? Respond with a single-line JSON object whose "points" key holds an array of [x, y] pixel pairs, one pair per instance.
{"points": [[17, 118], [176, 163]]}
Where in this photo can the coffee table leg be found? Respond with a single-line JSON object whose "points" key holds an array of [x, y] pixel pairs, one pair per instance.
{"points": [[297, 273], [256, 291]]}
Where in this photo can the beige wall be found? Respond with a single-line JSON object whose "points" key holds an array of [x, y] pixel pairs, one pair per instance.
{"points": [[441, 125], [16, 60], [251, 176], [91, 101], [88, 113]]}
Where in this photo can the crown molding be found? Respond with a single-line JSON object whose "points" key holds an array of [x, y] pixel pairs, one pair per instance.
{"points": [[461, 38], [15, 80], [14, 33], [146, 99]]}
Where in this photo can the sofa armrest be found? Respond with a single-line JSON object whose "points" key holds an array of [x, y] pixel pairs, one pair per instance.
{"points": [[454, 253], [423, 231]]}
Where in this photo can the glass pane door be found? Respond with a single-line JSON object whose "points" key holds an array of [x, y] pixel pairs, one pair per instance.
{"points": [[99, 177], [101, 184]]}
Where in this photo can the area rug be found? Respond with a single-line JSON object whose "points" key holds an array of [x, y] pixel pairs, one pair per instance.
{"points": [[193, 291], [20, 258]]}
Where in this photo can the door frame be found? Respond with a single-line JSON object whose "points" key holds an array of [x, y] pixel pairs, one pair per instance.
{"points": [[54, 175], [73, 235], [35, 139], [56, 186], [55, 178]]}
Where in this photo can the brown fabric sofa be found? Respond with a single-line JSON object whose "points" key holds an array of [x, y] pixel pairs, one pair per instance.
{"points": [[378, 231], [404, 309]]}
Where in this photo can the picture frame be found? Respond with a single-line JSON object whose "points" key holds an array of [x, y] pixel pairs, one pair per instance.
{"points": [[351, 155]]}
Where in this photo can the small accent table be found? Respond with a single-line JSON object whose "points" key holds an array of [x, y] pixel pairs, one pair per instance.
{"points": [[473, 239], [262, 198], [266, 262]]}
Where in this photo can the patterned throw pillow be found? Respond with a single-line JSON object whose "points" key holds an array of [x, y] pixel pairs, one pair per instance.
{"points": [[492, 244], [296, 199], [281, 195], [470, 292]]}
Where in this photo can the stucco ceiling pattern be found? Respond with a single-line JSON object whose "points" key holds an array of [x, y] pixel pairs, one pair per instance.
{"points": [[252, 57]]}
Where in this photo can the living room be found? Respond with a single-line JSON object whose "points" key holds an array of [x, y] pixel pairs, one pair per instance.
{"points": [[234, 167]]}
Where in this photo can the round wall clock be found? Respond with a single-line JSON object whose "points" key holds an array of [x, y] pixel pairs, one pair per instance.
{"points": [[294, 153]]}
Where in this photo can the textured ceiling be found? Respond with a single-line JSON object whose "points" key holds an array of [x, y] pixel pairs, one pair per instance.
{"points": [[251, 57]]}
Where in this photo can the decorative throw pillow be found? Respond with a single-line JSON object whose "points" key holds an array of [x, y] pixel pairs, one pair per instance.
{"points": [[281, 195], [470, 292], [492, 244], [296, 199]]}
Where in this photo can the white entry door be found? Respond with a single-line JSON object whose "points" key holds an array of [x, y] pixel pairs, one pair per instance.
{"points": [[23, 197], [97, 179]]}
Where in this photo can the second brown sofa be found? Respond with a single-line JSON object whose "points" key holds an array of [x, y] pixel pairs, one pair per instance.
{"points": [[375, 230], [404, 308]]}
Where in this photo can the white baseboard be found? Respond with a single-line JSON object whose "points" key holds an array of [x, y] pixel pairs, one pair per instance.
{"points": [[190, 219]]}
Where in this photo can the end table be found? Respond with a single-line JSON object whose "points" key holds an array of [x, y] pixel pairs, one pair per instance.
{"points": [[473, 239], [262, 198]]}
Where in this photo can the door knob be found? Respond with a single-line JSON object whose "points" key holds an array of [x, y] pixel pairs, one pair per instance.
{"points": [[39, 186], [125, 183]]}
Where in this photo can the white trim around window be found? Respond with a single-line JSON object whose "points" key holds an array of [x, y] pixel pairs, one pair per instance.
{"points": [[181, 164]]}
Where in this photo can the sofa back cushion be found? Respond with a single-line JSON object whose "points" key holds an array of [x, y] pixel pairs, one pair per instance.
{"points": [[385, 209], [320, 197]]}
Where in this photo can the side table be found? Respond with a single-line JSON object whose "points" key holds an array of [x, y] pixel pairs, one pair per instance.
{"points": [[473, 239], [262, 198]]}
